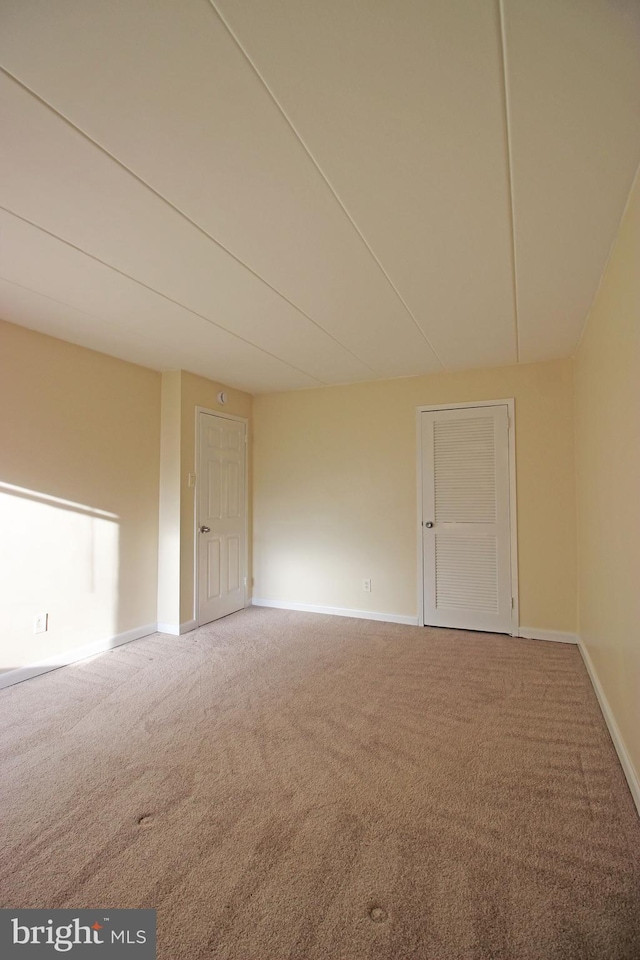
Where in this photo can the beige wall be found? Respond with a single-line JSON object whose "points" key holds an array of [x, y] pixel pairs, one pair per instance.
{"points": [[200, 392], [335, 490], [169, 517], [116, 443], [80, 427], [607, 371]]}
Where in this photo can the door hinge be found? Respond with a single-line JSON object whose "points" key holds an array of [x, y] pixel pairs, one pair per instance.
{"points": [[513, 603]]}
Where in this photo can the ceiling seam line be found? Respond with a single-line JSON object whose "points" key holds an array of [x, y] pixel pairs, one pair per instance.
{"points": [[328, 183], [158, 293], [118, 327], [512, 213], [70, 306], [139, 336], [186, 217], [609, 255]]}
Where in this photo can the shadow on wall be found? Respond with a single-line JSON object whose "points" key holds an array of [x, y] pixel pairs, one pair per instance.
{"points": [[59, 559]]}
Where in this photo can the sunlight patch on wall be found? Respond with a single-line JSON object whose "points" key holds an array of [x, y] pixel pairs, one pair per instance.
{"points": [[58, 558]]}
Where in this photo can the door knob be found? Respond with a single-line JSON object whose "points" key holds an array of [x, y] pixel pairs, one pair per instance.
{"points": [[205, 529], [428, 524]]}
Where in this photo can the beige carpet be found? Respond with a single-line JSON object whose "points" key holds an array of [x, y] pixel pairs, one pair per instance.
{"points": [[287, 785]]}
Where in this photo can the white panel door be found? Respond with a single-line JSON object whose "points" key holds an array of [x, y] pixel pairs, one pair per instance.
{"points": [[221, 516], [466, 535]]}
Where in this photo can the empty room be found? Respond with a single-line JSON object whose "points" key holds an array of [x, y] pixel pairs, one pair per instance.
{"points": [[319, 473]]}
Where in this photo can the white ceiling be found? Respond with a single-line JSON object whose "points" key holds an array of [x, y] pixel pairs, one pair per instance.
{"points": [[284, 193]]}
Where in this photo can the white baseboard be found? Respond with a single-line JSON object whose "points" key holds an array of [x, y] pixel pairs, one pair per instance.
{"points": [[336, 611], [533, 633], [626, 762], [176, 630], [72, 656]]}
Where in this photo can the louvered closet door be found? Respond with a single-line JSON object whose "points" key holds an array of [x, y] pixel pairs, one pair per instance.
{"points": [[467, 551]]}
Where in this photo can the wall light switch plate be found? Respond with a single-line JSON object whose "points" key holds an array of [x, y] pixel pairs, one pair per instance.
{"points": [[41, 623]]}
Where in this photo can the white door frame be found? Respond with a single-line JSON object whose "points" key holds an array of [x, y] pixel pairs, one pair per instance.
{"points": [[513, 515], [196, 558]]}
